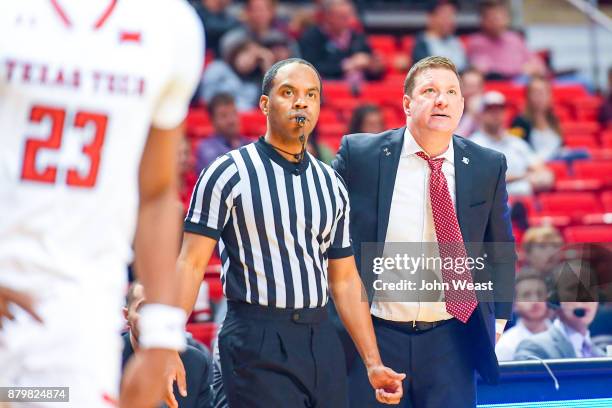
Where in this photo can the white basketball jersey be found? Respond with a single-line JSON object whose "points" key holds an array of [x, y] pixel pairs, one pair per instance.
{"points": [[81, 82]]}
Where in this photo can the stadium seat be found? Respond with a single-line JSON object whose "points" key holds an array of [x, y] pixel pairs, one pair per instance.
{"points": [[215, 287], [328, 115], [383, 93], [559, 168], [335, 89], [574, 204], [586, 108], [331, 128], [407, 44], [198, 123], [203, 332], [253, 123], [568, 92], [590, 233], [592, 169], [606, 139], [580, 128], [383, 44], [565, 182], [583, 140], [606, 199]]}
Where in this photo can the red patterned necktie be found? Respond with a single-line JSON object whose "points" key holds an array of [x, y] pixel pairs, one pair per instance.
{"points": [[460, 303]]}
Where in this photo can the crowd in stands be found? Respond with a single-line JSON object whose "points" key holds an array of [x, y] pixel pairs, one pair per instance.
{"points": [[557, 138]]}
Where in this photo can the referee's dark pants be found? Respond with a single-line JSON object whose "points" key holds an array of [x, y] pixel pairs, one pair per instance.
{"points": [[273, 357]]}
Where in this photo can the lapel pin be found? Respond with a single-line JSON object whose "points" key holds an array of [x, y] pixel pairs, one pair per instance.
{"points": [[386, 151], [465, 160]]}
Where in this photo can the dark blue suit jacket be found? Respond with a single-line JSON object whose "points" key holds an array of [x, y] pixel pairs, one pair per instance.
{"points": [[368, 164], [199, 375]]}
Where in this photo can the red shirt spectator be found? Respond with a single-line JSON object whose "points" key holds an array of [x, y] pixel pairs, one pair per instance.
{"points": [[498, 52]]}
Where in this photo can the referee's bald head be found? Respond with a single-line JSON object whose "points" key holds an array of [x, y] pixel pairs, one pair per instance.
{"points": [[268, 80]]}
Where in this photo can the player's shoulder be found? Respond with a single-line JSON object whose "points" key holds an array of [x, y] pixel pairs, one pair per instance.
{"points": [[170, 15], [12, 11]]}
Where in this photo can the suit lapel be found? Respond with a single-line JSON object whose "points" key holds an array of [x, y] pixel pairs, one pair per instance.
{"points": [[389, 156], [463, 184]]}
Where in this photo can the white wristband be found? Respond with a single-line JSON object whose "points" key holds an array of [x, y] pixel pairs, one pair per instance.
{"points": [[162, 326]]}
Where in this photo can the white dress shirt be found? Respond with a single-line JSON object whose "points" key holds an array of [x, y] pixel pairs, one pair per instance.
{"points": [[411, 220], [509, 341]]}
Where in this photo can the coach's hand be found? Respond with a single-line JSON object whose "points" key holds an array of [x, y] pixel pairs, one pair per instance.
{"points": [[387, 383], [21, 299], [146, 377]]}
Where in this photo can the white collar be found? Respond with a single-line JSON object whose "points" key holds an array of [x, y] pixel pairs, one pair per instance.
{"points": [[411, 147]]}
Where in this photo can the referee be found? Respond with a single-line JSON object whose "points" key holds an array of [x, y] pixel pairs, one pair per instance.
{"points": [[281, 218]]}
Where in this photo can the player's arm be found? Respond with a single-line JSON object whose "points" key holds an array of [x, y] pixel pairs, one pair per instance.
{"points": [[351, 302], [152, 370], [159, 221], [162, 322]]}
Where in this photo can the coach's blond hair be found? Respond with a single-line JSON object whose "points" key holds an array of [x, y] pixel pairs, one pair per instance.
{"points": [[425, 64]]}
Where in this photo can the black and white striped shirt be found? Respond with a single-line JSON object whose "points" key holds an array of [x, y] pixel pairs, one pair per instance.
{"points": [[278, 223]]}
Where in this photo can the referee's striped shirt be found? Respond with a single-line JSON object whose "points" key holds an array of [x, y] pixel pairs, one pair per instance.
{"points": [[277, 223]]}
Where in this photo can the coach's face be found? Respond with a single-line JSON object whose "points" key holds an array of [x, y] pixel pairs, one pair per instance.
{"points": [[295, 92], [436, 103]]}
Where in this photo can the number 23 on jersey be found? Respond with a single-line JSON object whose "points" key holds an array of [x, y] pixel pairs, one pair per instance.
{"points": [[57, 118]]}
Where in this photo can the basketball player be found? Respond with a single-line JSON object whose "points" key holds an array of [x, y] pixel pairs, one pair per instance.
{"points": [[92, 97]]}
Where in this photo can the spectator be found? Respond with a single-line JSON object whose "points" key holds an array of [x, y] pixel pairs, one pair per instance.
{"points": [[567, 337], [541, 248], [226, 134], [337, 50], [367, 119], [526, 172], [472, 88], [605, 112], [261, 17], [538, 125], [532, 310], [240, 71], [216, 20], [281, 46], [498, 52], [262, 25], [197, 363], [439, 37]]}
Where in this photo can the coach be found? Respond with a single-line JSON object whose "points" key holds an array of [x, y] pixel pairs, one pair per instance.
{"points": [[420, 183], [282, 221]]}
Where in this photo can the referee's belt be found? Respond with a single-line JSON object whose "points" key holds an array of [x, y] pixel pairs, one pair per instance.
{"points": [[252, 311], [412, 326]]}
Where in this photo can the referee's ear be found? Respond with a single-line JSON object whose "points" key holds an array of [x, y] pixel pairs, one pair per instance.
{"points": [[263, 104]]}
